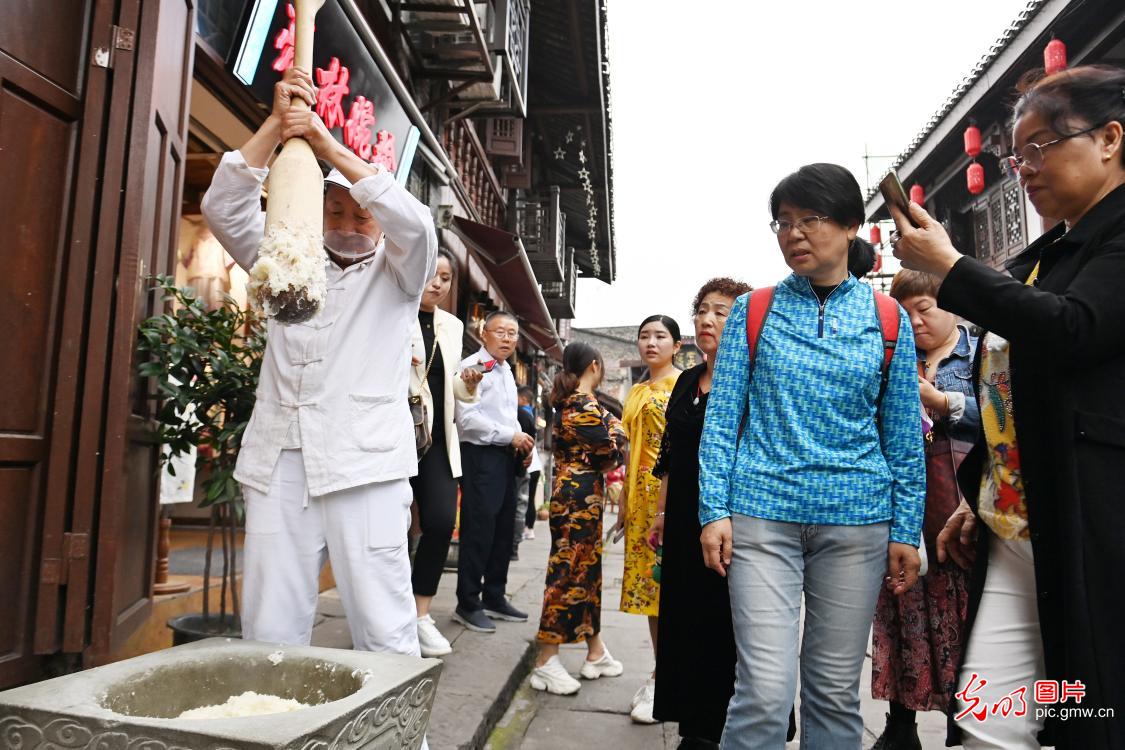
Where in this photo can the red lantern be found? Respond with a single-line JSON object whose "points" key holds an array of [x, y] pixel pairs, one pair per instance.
{"points": [[972, 141], [975, 178], [878, 263], [1054, 56], [917, 194], [876, 235]]}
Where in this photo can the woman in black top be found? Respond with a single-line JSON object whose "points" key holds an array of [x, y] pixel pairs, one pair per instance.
{"points": [[436, 353], [695, 654], [1053, 360]]}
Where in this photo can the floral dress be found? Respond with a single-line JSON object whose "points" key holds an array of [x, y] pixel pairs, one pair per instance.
{"points": [[588, 440], [917, 638], [644, 420]]}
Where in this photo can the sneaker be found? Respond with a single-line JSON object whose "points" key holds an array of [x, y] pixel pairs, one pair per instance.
{"points": [[604, 666], [430, 639], [505, 611], [528, 533], [643, 703], [475, 620], [554, 678]]}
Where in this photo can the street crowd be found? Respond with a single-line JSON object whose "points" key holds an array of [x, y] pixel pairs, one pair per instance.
{"points": [[931, 472]]}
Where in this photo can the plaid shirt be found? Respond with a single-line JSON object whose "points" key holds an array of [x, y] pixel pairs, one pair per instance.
{"points": [[812, 450]]}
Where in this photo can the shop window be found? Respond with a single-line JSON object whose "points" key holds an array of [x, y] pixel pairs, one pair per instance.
{"points": [[999, 224], [216, 23]]}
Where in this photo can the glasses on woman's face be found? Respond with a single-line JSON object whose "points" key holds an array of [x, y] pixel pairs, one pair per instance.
{"points": [[806, 224], [1031, 155]]}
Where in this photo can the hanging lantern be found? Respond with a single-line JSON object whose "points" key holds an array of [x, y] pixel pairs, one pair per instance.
{"points": [[1054, 56], [878, 267], [876, 235], [975, 178], [972, 141], [917, 194]]}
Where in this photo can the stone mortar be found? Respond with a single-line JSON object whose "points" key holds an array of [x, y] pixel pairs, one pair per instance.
{"points": [[365, 701]]}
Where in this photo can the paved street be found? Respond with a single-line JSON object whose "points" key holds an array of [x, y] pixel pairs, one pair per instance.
{"points": [[599, 715], [484, 698]]}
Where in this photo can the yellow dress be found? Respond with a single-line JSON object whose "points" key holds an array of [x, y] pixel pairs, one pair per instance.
{"points": [[643, 419]]}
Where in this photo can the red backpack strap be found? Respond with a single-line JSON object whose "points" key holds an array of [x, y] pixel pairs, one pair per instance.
{"points": [[888, 311], [757, 309]]}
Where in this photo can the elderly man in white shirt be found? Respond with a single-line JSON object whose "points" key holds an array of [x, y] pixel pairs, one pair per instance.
{"points": [[491, 442], [326, 457]]}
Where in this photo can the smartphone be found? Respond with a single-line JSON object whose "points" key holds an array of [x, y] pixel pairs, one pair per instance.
{"points": [[616, 536], [894, 194], [480, 367]]}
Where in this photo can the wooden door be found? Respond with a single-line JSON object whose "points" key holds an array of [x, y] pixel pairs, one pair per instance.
{"points": [[52, 104], [126, 512]]}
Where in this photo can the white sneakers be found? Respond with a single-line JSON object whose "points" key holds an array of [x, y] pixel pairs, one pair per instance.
{"points": [[643, 703], [606, 666], [554, 678], [430, 639]]}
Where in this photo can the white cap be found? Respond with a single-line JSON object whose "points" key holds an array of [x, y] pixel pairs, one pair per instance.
{"points": [[335, 177]]}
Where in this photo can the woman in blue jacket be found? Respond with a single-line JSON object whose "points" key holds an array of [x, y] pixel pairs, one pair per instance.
{"points": [[812, 474]]}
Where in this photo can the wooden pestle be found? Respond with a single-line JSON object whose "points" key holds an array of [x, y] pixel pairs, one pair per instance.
{"points": [[288, 280]]}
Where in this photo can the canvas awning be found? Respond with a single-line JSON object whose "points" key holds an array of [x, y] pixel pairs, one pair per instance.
{"points": [[505, 261]]}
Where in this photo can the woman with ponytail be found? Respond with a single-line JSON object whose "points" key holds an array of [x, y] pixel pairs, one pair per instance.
{"points": [[588, 440]]}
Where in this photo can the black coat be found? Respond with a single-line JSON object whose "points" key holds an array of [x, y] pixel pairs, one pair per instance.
{"points": [[695, 654], [1067, 359]]}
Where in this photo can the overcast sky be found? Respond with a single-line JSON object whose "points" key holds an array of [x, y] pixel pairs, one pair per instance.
{"points": [[714, 101]]}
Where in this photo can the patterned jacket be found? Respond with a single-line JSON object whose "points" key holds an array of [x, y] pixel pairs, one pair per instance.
{"points": [[813, 449]]}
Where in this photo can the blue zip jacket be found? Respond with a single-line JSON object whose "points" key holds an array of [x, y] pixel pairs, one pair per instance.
{"points": [[812, 451]]}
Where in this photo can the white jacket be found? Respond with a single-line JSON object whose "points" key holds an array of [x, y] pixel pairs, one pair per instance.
{"points": [[449, 333], [335, 386]]}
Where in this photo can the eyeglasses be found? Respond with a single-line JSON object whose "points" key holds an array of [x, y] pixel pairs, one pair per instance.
{"points": [[806, 224], [504, 335], [1032, 153]]}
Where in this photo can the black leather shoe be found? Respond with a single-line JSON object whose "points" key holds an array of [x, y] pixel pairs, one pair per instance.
{"points": [[898, 736], [475, 620], [505, 611]]}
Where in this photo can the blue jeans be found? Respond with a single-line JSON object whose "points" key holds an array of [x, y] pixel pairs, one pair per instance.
{"points": [[839, 569]]}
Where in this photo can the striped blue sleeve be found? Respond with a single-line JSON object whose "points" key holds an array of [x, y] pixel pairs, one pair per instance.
{"points": [[725, 406], [902, 440]]}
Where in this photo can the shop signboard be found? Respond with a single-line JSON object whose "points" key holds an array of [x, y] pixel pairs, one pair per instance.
{"points": [[354, 98]]}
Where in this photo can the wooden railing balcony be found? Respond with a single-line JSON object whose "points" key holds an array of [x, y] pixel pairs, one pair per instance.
{"points": [[541, 225], [481, 186]]}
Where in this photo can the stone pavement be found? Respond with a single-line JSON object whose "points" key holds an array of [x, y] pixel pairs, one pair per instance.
{"points": [[484, 699]]}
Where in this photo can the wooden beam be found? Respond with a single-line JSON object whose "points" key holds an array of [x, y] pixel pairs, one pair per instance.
{"points": [[576, 46], [570, 108]]}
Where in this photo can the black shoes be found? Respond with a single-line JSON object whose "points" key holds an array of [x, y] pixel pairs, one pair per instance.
{"points": [[504, 611], [475, 620], [898, 736]]}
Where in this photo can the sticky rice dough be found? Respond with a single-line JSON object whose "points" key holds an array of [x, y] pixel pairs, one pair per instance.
{"points": [[288, 280], [247, 704]]}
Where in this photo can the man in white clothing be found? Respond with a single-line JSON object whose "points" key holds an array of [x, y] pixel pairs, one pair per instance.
{"points": [[491, 443], [326, 457]]}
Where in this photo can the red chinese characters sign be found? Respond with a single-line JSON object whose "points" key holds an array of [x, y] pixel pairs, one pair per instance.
{"points": [[333, 83]]}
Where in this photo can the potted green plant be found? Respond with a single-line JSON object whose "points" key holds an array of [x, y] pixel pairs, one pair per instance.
{"points": [[205, 364]]}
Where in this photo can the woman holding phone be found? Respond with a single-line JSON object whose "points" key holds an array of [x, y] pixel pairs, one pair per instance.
{"points": [[588, 440], [1042, 484]]}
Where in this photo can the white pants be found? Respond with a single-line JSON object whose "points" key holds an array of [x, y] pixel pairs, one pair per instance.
{"points": [[362, 531], [1006, 649]]}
